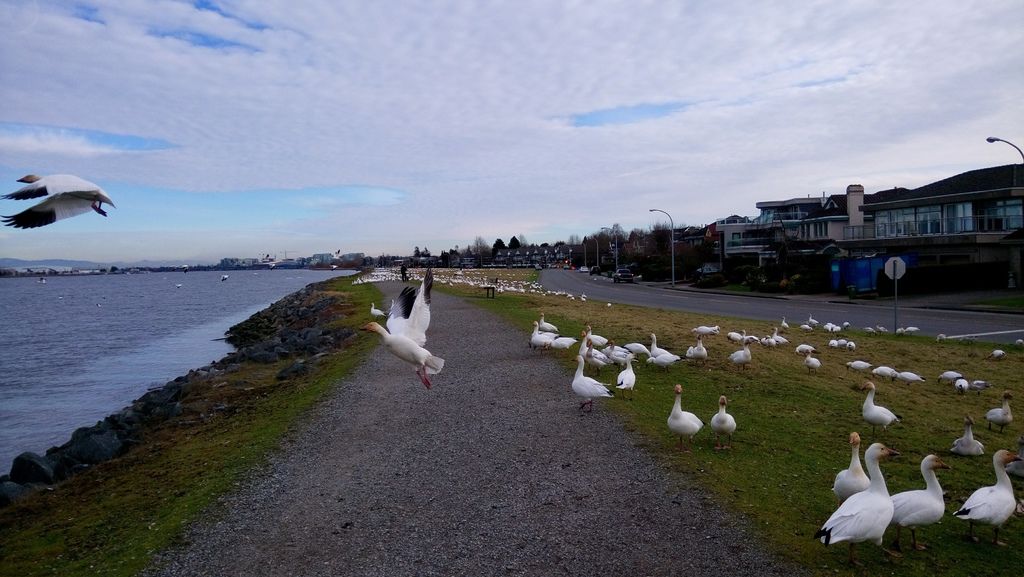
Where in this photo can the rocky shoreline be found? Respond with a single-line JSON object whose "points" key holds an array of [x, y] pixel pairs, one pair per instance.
{"points": [[296, 327]]}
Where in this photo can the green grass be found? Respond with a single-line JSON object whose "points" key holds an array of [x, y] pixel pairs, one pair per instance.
{"points": [[1007, 302], [793, 428], [111, 519], [792, 439]]}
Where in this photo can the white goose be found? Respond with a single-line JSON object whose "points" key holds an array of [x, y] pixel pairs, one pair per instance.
{"points": [[741, 357], [407, 329], [563, 342], [949, 377], [637, 349], [909, 377], [587, 387], [664, 361], [539, 339], [994, 504], [920, 507], [779, 338], [598, 340], [876, 415], [865, 515], [681, 422], [967, 445], [737, 337], [722, 423], [546, 326], [657, 351], [811, 363], [804, 349], [374, 311], [884, 371], [1000, 415], [858, 365], [704, 330], [66, 196], [697, 352], [594, 358], [784, 324], [627, 378], [853, 479], [997, 355]]}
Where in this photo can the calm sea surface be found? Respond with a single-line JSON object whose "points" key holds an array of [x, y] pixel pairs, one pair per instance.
{"points": [[78, 348]]}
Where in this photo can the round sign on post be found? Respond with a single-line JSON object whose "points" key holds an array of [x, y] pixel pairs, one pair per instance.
{"points": [[895, 268]]}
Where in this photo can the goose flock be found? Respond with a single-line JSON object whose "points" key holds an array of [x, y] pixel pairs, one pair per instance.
{"points": [[866, 509]]}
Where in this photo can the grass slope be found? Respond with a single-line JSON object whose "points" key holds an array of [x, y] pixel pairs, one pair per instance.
{"points": [[793, 426]]}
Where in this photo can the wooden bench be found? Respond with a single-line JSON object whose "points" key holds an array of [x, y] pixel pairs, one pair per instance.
{"points": [[489, 289]]}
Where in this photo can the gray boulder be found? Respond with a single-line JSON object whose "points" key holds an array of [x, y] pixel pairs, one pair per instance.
{"points": [[11, 492], [29, 467], [95, 448]]}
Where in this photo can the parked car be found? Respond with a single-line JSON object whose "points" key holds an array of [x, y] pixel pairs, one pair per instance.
{"points": [[623, 275]]}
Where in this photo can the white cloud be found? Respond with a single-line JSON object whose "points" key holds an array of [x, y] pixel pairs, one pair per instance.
{"points": [[462, 106]]}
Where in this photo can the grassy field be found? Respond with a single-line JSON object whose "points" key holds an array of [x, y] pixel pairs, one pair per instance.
{"points": [[791, 441], [109, 520], [793, 428]]}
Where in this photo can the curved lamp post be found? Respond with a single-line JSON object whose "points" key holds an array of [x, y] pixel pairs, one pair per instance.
{"points": [[671, 240], [991, 139]]}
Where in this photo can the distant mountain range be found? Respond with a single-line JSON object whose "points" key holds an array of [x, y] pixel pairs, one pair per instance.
{"points": [[85, 264]]}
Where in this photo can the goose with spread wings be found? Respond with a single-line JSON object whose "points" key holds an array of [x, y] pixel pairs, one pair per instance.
{"points": [[406, 333], [66, 196]]}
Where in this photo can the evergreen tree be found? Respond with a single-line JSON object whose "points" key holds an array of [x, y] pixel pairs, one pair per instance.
{"points": [[513, 243]]}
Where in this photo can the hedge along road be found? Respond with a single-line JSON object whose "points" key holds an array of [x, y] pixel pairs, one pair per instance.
{"points": [[994, 327], [492, 471]]}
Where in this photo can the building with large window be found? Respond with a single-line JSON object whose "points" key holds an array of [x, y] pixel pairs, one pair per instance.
{"points": [[963, 219]]}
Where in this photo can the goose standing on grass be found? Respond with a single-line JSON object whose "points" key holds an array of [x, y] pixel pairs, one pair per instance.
{"points": [[949, 377], [657, 351], [909, 377], [967, 445], [637, 349], [664, 361], [803, 349], [627, 378], [683, 423], [853, 479], [546, 326], [994, 504], [539, 339], [997, 355], [741, 357], [865, 515], [697, 352], [811, 363], [407, 329], [66, 196], [1016, 468], [587, 387], [961, 386], [920, 507], [374, 311], [1000, 415], [722, 423], [779, 338], [598, 340], [784, 324], [858, 365], [562, 342], [876, 415], [884, 371]]}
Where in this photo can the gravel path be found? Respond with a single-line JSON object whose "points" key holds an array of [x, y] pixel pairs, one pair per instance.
{"points": [[492, 472]]}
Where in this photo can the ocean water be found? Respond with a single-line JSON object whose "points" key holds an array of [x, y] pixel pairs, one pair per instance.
{"points": [[77, 348]]}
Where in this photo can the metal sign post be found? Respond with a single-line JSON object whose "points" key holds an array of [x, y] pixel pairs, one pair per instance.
{"points": [[895, 268]]}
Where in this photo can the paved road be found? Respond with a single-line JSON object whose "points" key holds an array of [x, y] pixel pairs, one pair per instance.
{"points": [[994, 327]]}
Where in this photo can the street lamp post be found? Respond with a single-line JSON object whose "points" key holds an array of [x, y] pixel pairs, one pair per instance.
{"points": [[616, 241], [671, 241], [991, 139]]}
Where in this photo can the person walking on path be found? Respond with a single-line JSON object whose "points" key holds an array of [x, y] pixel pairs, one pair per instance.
{"points": [[490, 472]]}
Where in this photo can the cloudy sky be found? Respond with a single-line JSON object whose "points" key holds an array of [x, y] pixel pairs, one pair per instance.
{"points": [[242, 127]]}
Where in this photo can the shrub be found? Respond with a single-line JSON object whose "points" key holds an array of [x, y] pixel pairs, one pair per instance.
{"points": [[712, 281]]}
